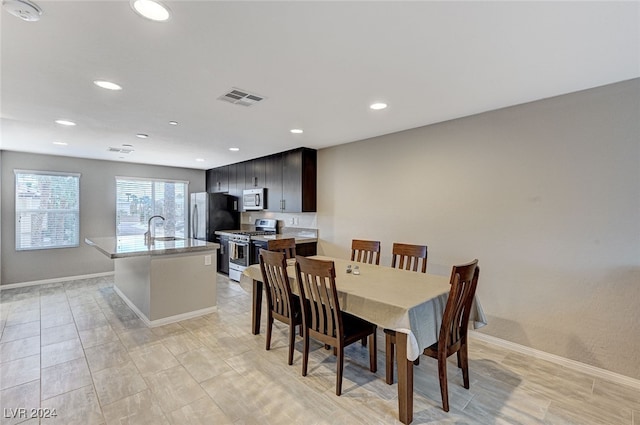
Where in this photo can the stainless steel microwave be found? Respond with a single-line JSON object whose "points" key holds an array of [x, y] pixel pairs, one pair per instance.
{"points": [[253, 199]]}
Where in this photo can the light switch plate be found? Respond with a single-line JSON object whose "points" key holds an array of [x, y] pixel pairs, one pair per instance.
{"points": [[207, 260]]}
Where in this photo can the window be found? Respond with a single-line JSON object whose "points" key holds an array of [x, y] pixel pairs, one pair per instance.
{"points": [[139, 199], [47, 210]]}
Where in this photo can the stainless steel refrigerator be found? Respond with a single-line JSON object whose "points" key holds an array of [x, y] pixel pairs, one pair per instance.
{"points": [[211, 212]]}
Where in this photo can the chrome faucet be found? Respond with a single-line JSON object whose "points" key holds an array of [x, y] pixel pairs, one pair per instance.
{"points": [[147, 236]]}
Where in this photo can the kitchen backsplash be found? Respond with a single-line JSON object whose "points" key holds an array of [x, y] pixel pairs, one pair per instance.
{"points": [[303, 220]]}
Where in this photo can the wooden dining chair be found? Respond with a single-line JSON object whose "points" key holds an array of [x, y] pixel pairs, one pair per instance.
{"points": [[365, 251], [455, 323], [286, 246], [407, 257], [322, 318], [281, 302]]}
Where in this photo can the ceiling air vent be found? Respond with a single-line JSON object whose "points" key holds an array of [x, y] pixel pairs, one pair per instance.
{"points": [[241, 97], [120, 150]]}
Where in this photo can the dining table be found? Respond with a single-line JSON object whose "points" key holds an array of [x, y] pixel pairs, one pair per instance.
{"points": [[410, 303]]}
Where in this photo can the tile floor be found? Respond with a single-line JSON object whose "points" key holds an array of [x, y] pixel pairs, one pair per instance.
{"points": [[77, 348]]}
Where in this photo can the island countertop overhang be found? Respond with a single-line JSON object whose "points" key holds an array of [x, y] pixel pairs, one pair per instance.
{"points": [[133, 246]]}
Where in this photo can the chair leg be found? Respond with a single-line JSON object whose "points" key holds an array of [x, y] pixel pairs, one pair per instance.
{"points": [[340, 370], [389, 349], [442, 375], [292, 340], [269, 327], [373, 353], [305, 351], [463, 360]]}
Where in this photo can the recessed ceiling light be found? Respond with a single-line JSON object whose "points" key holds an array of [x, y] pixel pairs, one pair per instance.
{"points": [[378, 106], [234, 149], [127, 145], [142, 135], [23, 9], [60, 143], [173, 122], [107, 85], [151, 9], [65, 122], [200, 159], [296, 131]]}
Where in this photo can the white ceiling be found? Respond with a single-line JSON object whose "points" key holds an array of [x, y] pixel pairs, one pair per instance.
{"points": [[320, 64]]}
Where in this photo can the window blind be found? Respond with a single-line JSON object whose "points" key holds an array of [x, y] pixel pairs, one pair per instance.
{"points": [[47, 209], [138, 199]]}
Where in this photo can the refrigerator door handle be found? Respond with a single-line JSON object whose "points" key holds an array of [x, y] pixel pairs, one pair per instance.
{"points": [[194, 222]]}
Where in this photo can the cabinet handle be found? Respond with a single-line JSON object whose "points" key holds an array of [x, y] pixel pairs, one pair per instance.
{"points": [[255, 182], [283, 206]]}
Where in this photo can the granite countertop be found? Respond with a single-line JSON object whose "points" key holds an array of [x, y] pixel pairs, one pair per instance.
{"points": [[299, 237], [226, 232], [300, 234], [132, 246]]}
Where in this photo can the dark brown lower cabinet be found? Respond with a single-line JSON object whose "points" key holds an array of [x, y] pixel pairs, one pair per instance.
{"points": [[223, 255], [307, 249], [303, 249]]}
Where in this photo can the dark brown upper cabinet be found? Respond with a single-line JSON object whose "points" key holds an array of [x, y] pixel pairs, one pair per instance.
{"points": [[291, 181], [273, 182], [254, 173], [236, 182], [289, 178], [217, 180]]}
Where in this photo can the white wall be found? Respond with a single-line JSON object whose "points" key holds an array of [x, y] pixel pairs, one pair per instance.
{"points": [[97, 213], [0, 216], [546, 195]]}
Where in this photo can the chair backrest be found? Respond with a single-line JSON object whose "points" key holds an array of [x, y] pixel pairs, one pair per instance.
{"points": [[365, 251], [317, 285], [407, 257], [455, 320], [286, 246], [274, 275]]}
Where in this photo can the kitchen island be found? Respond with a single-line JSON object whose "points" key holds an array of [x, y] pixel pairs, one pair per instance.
{"points": [[164, 281]]}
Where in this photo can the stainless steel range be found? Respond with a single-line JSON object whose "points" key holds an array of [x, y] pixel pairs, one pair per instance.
{"points": [[240, 245]]}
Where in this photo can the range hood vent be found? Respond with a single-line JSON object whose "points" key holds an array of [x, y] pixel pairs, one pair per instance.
{"points": [[241, 97]]}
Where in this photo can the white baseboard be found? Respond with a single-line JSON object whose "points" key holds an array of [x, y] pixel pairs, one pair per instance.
{"points": [[563, 361], [54, 280], [165, 320]]}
